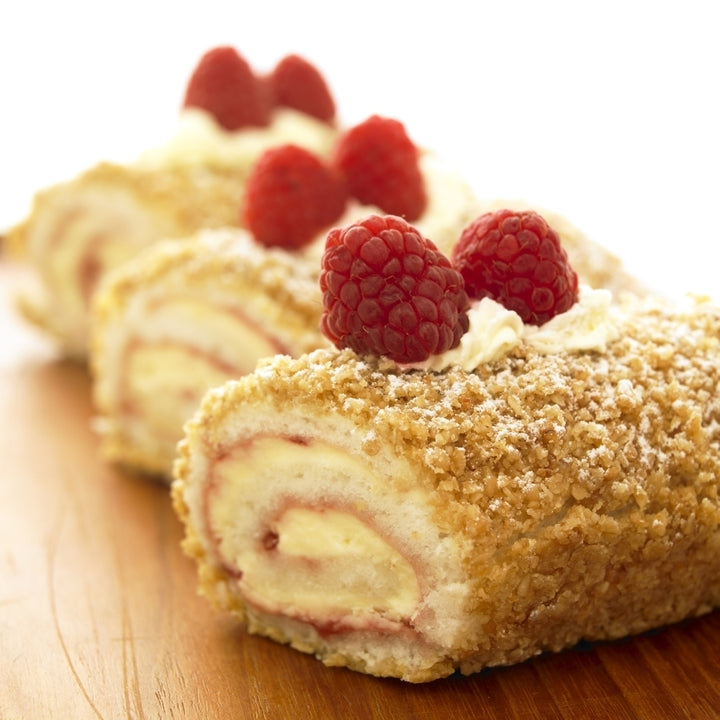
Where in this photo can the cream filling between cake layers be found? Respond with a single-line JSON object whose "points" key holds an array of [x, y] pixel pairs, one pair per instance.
{"points": [[308, 531], [77, 243], [176, 351]]}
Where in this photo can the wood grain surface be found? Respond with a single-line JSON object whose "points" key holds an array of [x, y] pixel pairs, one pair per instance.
{"points": [[99, 617]]}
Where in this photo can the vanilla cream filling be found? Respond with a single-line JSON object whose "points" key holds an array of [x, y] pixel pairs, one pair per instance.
{"points": [[352, 566], [323, 561], [220, 333], [95, 231], [164, 387], [177, 355]]}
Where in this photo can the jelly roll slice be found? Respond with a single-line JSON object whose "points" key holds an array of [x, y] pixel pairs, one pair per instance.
{"points": [[531, 486], [185, 316], [79, 229]]}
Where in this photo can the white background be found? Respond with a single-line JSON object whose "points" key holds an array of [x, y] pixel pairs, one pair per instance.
{"points": [[606, 112]]}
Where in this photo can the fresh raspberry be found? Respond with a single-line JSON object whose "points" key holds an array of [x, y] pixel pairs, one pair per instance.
{"points": [[516, 259], [223, 84], [290, 196], [389, 291], [381, 167], [298, 84]]}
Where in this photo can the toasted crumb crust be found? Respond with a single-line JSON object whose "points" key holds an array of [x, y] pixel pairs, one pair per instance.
{"points": [[214, 262], [586, 484]]}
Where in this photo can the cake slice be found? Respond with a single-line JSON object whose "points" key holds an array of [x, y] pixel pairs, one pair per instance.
{"points": [[81, 229], [463, 510], [185, 316]]}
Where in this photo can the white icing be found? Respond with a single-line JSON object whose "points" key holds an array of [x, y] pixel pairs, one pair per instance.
{"points": [[494, 331]]}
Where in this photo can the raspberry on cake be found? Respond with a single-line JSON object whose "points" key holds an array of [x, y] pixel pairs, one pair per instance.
{"points": [[516, 258], [224, 85], [387, 290], [594, 264], [290, 196], [297, 83], [381, 166]]}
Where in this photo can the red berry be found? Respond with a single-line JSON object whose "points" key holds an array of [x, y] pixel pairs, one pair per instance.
{"points": [[290, 196], [298, 84], [516, 259], [389, 291], [224, 85], [381, 167]]}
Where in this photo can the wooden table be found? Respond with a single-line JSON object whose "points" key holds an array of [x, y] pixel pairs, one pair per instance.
{"points": [[99, 617]]}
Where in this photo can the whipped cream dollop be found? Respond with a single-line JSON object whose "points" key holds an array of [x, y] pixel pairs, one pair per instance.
{"points": [[200, 140], [494, 331]]}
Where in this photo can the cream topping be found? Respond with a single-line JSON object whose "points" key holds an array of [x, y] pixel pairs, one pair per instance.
{"points": [[200, 140], [494, 331], [452, 202], [588, 325]]}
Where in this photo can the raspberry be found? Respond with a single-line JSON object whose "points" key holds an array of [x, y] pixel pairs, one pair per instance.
{"points": [[224, 85], [298, 84], [389, 291], [381, 167], [516, 259], [290, 196]]}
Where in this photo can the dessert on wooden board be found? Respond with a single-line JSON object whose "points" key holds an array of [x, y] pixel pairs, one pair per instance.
{"points": [[495, 460]]}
